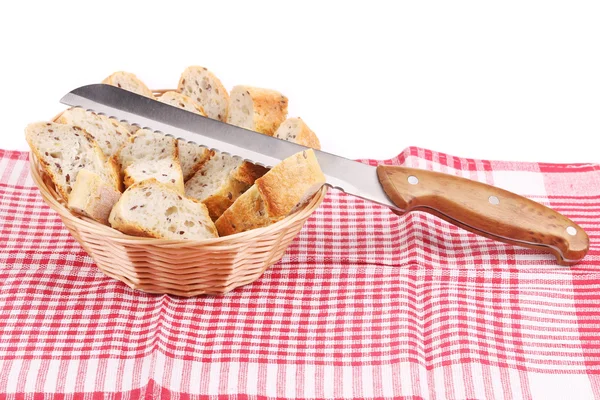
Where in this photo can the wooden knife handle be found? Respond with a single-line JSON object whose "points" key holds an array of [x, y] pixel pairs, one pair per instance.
{"points": [[485, 210]]}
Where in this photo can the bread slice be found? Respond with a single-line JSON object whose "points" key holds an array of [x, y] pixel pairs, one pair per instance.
{"points": [[248, 173], [151, 154], [260, 110], [131, 128], [238, 181], [295, 130], [278, 193], [107, 132], [177, 99], [203, 87], [153, 209], [128, 81], [92, 196], [191, 156], [221, 181], [64, 150], [165, 171]]}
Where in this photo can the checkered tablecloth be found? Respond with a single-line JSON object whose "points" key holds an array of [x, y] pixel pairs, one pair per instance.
{"points": [[364, 304]]}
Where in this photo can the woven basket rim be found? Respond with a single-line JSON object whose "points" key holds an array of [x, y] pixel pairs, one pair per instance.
{"points": [[55, 202]]}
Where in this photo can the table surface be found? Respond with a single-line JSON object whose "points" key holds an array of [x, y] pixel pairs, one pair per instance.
{"points": [[490, 81]]}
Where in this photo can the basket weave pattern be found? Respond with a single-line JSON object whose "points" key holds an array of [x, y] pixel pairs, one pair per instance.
{"points": [[178, 267]]}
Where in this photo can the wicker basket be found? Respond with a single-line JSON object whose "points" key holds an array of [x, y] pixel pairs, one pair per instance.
{"points": [[178, 267]]}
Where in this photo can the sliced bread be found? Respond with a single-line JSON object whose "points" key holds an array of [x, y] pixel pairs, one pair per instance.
{"points": [[278, 193], [260, 110], [295, 130], [165, 171], [92, 196], [221, 181], [203, 87], [152, 209], [131, 128], [177, 99], [191, 156], [64, 150], [107, 132], [150, 154], [128, 81]]}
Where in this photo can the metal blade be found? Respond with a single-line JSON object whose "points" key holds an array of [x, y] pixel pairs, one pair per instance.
{"points": [[341, 173]]}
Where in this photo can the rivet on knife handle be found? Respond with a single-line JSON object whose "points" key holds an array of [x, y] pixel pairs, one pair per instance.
{"points": [[485, 210]]}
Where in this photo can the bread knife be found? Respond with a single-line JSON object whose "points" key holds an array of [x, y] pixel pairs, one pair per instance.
{"points": [[477, 207]]}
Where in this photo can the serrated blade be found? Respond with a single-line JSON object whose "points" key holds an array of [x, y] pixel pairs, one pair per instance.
{"points": [[341, 173]]}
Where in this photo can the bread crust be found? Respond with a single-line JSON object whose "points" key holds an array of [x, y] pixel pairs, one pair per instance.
{"points": [[132, 229], [113, 167], [275, 195]]}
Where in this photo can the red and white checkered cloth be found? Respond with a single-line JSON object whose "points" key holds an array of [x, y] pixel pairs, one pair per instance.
{"points": [[364, 304]]}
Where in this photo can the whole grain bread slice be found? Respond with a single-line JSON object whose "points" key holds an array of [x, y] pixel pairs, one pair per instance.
{"points": [[257, 109], [295, 130], [128, 81], [221, 181], [153, 209], [203, 87], [182, 101], [150, 154], [275, 195], [92, 196], [64, 150], [107, 132], [131, 128], [191, 156]]}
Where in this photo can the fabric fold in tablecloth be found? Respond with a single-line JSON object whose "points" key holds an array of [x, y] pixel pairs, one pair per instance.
{"points": [[364, 304]]}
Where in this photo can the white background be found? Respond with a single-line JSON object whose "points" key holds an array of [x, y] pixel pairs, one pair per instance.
{"points": [[497, 80]]}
